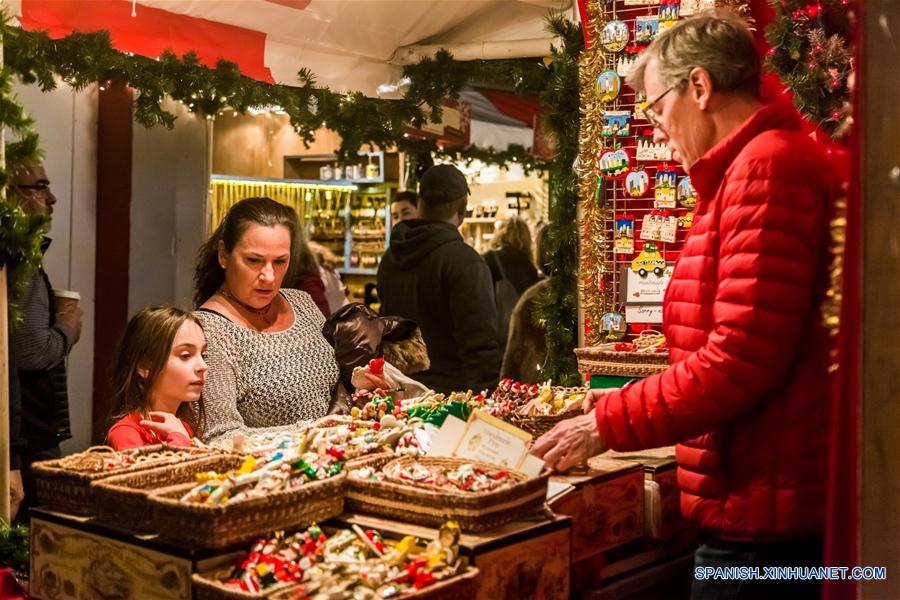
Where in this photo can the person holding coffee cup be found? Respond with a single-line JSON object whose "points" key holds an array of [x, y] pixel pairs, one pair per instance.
{"points": [[50, 327]]}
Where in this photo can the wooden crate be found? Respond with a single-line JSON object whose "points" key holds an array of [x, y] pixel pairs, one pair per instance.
{"points": [[523, 559], [70, 563], [660, 467], [606, 503]]}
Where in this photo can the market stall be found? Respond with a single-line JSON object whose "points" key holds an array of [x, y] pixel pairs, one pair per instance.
{"points": [[407, 497], [412, 501]]}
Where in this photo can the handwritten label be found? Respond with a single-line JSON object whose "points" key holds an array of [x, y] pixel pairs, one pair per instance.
{"points": [[646, 290], [644, 313]]}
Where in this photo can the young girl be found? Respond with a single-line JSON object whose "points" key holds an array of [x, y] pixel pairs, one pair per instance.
{"points": [[159, 365]]}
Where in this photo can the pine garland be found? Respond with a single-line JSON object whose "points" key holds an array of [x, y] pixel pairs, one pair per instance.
{"points": [[558, 307], [82, 59], [811, 54], [14, 547], [20, 234]]}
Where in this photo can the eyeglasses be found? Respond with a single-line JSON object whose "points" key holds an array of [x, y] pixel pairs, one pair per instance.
{"points": [[40, 187], [648, 107]]}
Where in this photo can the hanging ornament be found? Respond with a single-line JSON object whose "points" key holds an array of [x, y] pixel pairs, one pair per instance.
{"points": [[625, 62], [640, 103], [668, 14], [650, 151], [659, 226], [637, 183], [616, 123], [687, 196], [624, 235], [608, 86], [614, 164], [645, 28], [613, 325], [614, 36], [686, 220], [649, 261], [664, 189]]}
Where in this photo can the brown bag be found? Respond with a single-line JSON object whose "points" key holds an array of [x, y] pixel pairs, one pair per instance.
{"points": [[359, 335]]}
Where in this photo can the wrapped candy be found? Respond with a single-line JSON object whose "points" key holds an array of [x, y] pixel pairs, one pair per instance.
{"points": [[352, 563]]}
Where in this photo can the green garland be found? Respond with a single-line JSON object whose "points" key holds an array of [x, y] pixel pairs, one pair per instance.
{"points": [[810, 53], [82, 59], [558, 307], [14, 547], [20, 234]]}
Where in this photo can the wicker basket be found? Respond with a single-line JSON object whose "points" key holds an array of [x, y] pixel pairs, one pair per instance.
{"points": [[422, 504], [593, 361], [70, 491], [221, 526], [209, 587], [123, 501], [538, 425]]}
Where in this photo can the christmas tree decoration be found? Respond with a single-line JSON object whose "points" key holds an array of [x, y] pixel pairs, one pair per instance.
{"points": [[812, 56]]}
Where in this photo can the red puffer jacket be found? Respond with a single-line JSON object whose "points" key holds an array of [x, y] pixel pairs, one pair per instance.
{"points": [[748, 386]]}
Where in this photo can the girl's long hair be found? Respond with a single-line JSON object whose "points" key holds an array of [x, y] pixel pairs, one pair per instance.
{"points": [[145, 345], [208, 275]]}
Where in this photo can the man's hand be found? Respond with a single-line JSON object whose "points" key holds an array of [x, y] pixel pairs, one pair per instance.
{"points": [[16, 493], [569, 442], [165, 423], [71, 320], [590, 399]]}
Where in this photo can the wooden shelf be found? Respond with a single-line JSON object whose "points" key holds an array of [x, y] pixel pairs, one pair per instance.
{"points": [[357, 271]]}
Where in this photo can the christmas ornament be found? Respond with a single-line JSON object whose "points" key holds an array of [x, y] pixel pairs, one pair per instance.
{"points": [[650, 151], [613, 325], [649, 261], [614, 164], [668, 14], [608, 86], [637, 183], [624, 234], [645, 28], [614, 36], [616, 123], [687, 196], [664, 189]]}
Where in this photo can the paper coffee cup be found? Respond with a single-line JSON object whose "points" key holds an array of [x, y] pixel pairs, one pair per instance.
{"points": [[66, 300]]}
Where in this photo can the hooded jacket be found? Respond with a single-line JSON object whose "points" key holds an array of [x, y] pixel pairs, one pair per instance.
{"points": [[747, 393], [431, 276]]}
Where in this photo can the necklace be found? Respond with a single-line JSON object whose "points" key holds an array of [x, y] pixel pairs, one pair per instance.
{"points": [[262, 312]]}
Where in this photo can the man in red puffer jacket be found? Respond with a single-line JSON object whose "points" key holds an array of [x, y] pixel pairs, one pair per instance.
{"points": [[747, 394]]}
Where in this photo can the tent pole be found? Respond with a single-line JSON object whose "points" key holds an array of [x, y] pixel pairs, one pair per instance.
{"points": [[4, 367], [408, 55]]}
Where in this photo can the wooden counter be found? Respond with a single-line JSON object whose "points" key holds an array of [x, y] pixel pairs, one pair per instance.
{"points": [[606, 503]]}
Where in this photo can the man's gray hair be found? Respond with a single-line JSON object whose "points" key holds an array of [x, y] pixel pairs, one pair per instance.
{"points": [[717, 40]]}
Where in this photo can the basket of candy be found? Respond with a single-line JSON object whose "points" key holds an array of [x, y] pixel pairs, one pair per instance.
{"points": [[123, 500], [430, 490], [64, 484], [287, 488], [646, 355], [348, 563], [547, 408]]}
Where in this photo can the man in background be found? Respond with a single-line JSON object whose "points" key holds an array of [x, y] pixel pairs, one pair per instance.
{"points": [[40, 345], [403, 207], [431, 276]]}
